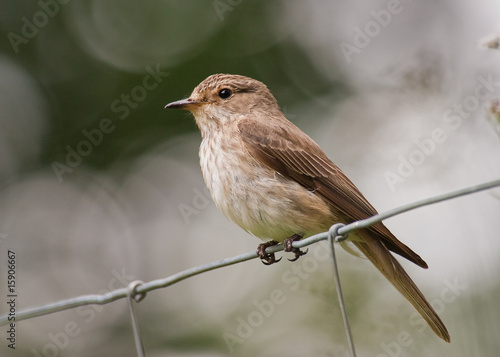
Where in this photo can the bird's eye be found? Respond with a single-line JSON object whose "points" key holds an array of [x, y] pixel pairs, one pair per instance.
{"points": [[225, 93]]}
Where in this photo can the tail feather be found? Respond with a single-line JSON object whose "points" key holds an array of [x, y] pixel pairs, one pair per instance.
{"points": [[385, 262]]}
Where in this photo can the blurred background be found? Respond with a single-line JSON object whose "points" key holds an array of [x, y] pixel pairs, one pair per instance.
{"points": [[100, 186]]}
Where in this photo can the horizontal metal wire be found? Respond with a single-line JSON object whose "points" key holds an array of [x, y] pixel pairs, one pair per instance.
{"points": [[142, 289]]}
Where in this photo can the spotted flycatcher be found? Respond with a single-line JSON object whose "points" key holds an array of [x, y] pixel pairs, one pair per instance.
{"points": [[275, 182]]}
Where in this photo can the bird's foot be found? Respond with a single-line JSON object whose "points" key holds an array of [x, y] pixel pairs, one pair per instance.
{"points": [[287, 244], [266, 258]]}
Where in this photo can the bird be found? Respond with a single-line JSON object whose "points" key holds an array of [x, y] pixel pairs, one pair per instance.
{"points": [[275, 182]]}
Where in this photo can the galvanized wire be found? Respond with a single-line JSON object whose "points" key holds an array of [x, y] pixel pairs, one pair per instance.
{"points": [[140, 289], [134, 297], [334, 237]]}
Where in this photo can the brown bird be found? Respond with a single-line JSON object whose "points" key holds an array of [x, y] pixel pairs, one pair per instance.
{"points": [[275, 182]]}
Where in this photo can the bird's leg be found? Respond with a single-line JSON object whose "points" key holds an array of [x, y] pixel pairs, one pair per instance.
{"points": [[287, 244], [267, 259]]}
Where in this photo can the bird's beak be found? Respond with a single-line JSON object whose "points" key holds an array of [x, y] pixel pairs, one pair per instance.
{"points": [[186, 104]]}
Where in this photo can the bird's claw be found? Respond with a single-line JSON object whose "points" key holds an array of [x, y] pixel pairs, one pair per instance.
{"points": [[267, 258], [270, 258], [287, 247], [298, 253]]}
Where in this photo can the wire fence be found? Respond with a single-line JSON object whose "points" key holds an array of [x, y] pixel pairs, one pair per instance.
{"points": [[137, 290]]}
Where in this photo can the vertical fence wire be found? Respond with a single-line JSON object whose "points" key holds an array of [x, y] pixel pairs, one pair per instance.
{"points": [[132, 298], [333, 238]]}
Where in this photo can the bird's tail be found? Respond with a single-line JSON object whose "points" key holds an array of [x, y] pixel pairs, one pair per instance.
{"points": [[382, 258]]}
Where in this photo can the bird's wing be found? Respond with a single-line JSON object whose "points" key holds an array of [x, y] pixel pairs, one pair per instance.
{"points": [[288, 150]]}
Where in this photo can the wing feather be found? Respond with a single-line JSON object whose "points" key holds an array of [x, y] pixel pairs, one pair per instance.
{"points": [[289, 151]]}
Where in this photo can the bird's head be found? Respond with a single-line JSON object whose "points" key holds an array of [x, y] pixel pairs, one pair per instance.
{"points": [[224, 98]]}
